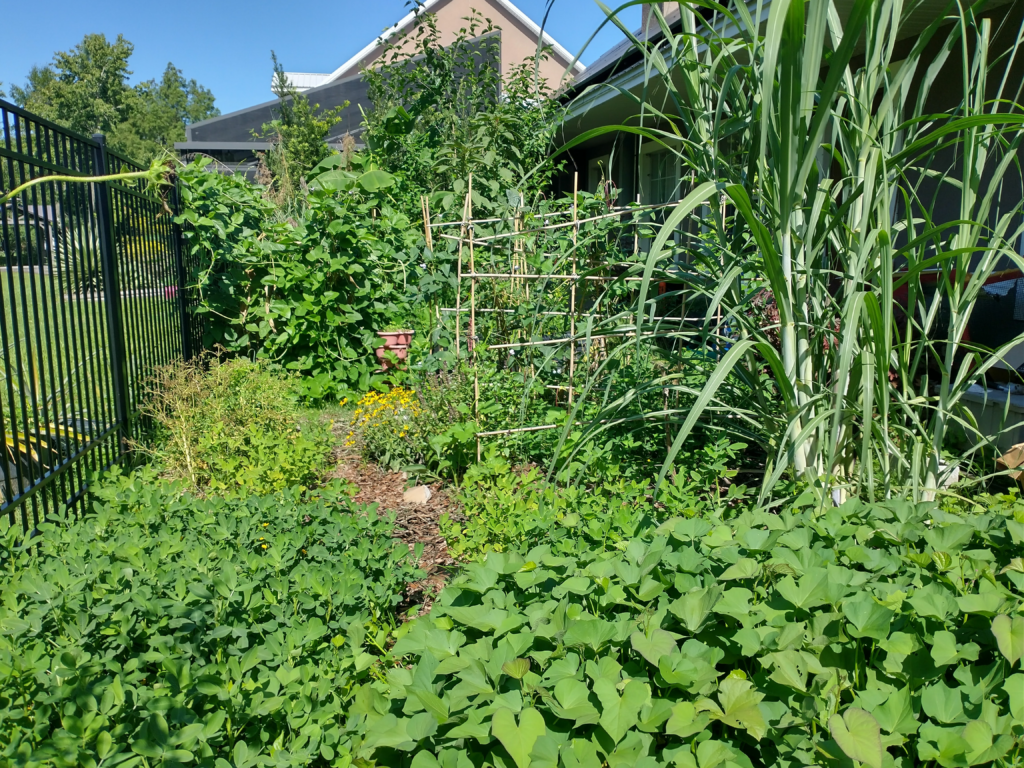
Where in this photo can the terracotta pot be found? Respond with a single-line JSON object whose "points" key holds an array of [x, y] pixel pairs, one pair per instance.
{"points": [[399, 351], [393, 339]]}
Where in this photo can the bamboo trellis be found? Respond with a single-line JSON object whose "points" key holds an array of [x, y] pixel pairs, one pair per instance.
{"points": [[520, 280]]}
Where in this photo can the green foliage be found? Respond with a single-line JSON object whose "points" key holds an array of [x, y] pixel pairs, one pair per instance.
{"points": [[832, 188], [298, 135], [86, 89], [881, 633], [427, 429], [504, 510], [169, 629], [306, 295], [443, 111], [162, 111], [233, 429]]}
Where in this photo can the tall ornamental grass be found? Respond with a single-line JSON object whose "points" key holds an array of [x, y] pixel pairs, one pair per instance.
{"points": [[819, 160]]}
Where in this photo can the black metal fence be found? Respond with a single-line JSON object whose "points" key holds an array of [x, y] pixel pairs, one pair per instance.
{"points": [[92, 298]]}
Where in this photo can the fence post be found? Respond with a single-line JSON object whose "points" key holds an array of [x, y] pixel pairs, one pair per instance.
{"points": [[112, 294], [179, 262]]}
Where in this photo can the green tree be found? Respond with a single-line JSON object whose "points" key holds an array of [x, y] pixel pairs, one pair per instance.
{"points": [[86, 89], [162, 111]]}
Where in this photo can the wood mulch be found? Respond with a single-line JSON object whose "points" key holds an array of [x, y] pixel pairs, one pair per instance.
{"points": [[415, 523]]}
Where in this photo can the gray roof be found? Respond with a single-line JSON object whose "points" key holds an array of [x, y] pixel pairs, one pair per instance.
{"points": [[236, 128], [234, 131]]}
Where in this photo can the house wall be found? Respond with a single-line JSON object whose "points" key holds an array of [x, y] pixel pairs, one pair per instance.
{"points": [[517, 41]]}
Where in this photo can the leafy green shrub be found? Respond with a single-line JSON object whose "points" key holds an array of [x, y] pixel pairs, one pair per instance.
{"points": [[307, 293], [190, 631], [888, 634], [235, 428], [503, 509]]}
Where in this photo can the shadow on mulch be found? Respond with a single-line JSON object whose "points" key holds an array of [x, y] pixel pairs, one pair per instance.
{"points": [[415, 523]]}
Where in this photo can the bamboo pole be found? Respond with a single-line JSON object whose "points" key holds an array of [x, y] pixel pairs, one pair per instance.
{"points": [[426, 222], [552, 227], [572, 285], [471, 338], [551, 313], [472, 314], [636, 232], [718, 308], [518, 259], [623, 335], [515, 431], [510, 275], [458, 279], [608, 214]]}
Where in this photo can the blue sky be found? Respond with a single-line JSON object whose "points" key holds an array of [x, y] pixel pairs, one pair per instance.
{"points": [[226, 45]]}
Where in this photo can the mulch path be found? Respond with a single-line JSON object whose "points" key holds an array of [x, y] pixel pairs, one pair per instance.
{"points": [[415, 523]]}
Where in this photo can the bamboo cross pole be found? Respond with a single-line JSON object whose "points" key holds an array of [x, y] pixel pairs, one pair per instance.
{"points": [[552, 342], [565, 225], [511, 275], [609, 213]]}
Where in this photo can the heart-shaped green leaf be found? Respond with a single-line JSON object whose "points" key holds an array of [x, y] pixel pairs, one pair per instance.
{"points": [[619, 714], [942, 560], [573, 699], [517, 668], [375, 180], [869, 619], [744, 568], [810, 591], [858, 735], [1009, 634], [694, 607], [740, 709], [686, 721], [518, 740], [942, 703], [659, 643]]}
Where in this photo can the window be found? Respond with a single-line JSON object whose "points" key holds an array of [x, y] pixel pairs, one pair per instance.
{"points": [[662, 177], [660, 185]]}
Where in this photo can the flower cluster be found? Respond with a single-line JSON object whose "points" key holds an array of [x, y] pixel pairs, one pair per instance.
{"points": [[390, 426]]}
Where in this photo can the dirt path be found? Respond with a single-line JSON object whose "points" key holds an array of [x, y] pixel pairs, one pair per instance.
{"points": [[415, 523]]}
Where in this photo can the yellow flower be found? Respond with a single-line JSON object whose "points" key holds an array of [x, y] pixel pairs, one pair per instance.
{"points": [[264, 546]]}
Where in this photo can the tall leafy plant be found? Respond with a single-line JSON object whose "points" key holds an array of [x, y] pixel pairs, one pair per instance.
{"points": [[818, 157], [306, 294], [444, 111], [297, 135]]}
